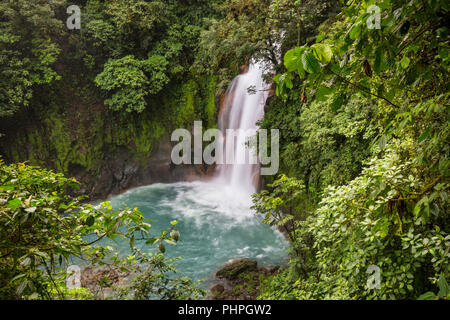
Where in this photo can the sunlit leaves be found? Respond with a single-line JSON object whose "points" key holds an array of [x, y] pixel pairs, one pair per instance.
{"points": [[302, 60], [322, 52], [286, 194], [14, 204]]}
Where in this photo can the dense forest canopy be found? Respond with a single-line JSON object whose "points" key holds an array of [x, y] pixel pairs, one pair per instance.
{"points": [[360, 95], [371, 147]]}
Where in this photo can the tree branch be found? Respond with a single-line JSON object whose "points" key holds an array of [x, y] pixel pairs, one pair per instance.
{"points": [[363, 89]]}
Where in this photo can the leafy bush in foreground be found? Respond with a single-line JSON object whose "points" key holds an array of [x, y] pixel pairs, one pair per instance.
{"points": [[43, 230]]}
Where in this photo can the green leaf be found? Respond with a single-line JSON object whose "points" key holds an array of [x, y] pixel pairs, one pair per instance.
{"points": [[428, 296], [320, 37], [14, 204], [276, 78], [443, 287], [380, 63], [425, 134], [323, 52], [322, 93], [132, 242], [18, 277], [301, 71], [405, 62], [417, 208], [444, 167], [90, 221], [310, 63], [355, 32], [337, 103], [151, 241], [288, 81], [293, 58], [6, 188], [293, 61]]}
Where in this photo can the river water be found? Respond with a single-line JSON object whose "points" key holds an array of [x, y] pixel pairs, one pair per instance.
{"points": [[215, 223]]}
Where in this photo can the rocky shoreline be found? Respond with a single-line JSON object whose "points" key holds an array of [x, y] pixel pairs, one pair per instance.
{"points": [[101, 280], [239, 279]]}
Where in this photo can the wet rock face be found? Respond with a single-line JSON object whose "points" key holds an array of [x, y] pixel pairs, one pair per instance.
{"points": [[115, 176], [120, 172]]}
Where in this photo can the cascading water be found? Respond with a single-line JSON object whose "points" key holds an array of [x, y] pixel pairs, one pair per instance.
{"points": [[215, 219], [240, 111]]}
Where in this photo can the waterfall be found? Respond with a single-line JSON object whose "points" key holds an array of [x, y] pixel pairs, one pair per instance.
{"points": [[216, 221], [242, 110]]}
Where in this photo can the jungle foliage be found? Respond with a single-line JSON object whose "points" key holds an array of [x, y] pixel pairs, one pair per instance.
{"points": [[123, 44], [27, 52], [366, 115], [44, 231], [257, 29]]}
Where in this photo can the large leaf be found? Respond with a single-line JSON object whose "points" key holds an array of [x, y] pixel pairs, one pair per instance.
{"points": [[405, 62], [14, 204], [337, 103], [443, 287], [292, 58], [355, 32], [322, 93], [323, 52], [380, 64], [310, 63], [293, 61], [428, 296]]}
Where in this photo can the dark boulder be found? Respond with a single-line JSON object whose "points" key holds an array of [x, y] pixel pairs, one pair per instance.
{"points": [[217, 289], [232, 270]]}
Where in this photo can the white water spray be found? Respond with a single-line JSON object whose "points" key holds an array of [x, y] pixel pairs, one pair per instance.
{"points": [[242, 110]]}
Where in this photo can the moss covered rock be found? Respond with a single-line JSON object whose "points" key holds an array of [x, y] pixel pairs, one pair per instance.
{"points": [[235, 268]]}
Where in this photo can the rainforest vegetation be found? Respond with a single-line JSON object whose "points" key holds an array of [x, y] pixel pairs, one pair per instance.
{"points": [[360, 96]]}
